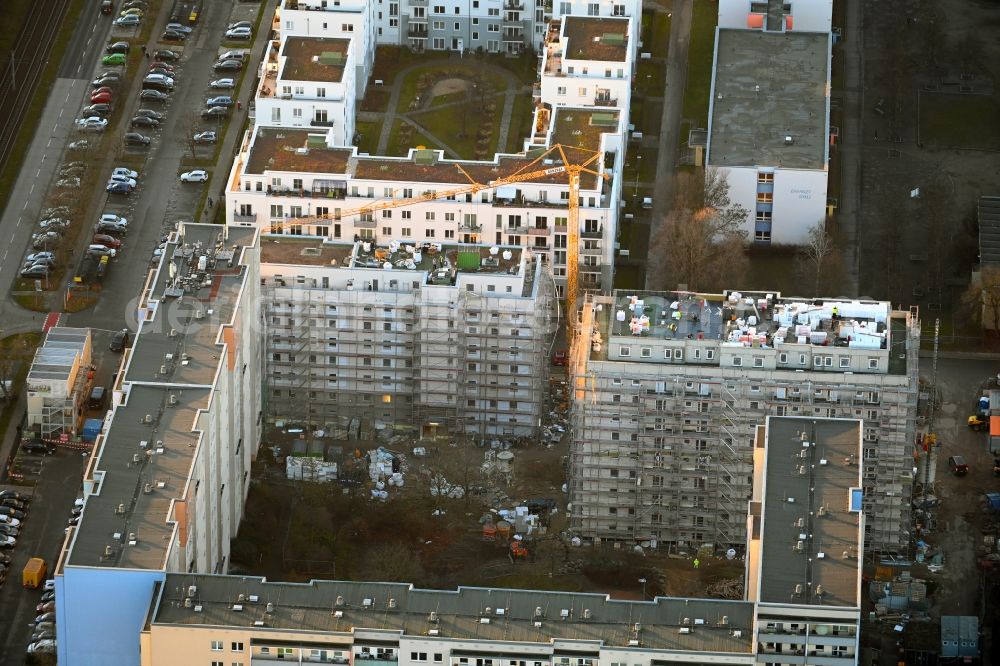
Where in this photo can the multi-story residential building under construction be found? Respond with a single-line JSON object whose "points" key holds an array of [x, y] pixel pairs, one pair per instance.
{"points": [[444, 338], [668, 388]]}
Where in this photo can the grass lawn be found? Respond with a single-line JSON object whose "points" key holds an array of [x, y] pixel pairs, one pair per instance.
{"points": [[447, 98], [700, 55], [369, 136], [21, 346], [449, 122], [376, 100], [390, 60], [650, 118], [649, 78], [520, 124], [659, 42], [630, 277], [960, 121], [524, 67], [464, 70], [645, 160], [400, 147]]}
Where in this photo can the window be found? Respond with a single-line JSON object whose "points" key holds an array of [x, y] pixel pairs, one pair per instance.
{"points": [[845, 361], [624, 351], [765, 177], [782, 358], [216, 646], [237, 646], [320, 92], [758, 361], [737, 361], [439, 9], [437, 25], [765, 197], [709, 354], [872, 363], [762, 236], [645, 352]]}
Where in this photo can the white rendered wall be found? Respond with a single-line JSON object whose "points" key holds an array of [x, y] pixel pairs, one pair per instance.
{"points": [[743, 191], [799, 204]]}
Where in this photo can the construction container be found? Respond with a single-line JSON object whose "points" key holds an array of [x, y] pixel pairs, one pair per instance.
{"points": [[33, 575], [91, 428]]}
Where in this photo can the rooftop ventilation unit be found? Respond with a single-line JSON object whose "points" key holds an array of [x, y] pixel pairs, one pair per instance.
{"points": [[339, 601], [238, 608], [192, 590], [269, 608], [392, 603], [789, 140], [338, 613], [367, 603]]}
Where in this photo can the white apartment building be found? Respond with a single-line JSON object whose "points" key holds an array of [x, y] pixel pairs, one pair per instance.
{"points": [[309, 82], [423, 335], [769, 118], [588, 61], [58, 381], [295, 182], [167, 479], [804, 15], [670, 388]]}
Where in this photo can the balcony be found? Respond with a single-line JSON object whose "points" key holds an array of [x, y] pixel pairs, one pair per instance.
{"points": [[321, 123], [513, 5], [472, 227], [417, 31], [605, 100], [588, 233], [239, 218], [308, 194], [365, 224], [508, 229], [538, 231]]}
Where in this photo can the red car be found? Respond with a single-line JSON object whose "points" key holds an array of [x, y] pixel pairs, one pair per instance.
{"points": [[559, 357], [161, 65], [106, 241], [101, 98]]}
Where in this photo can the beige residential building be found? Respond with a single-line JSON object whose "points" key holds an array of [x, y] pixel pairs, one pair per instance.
{"points": [[669, 387]]}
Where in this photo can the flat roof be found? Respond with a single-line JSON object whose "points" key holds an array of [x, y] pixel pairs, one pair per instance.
{"points": [[57, 357], [314, 58], [182, 337], [276, 249], [144, 460], [769, 86], [753, 318], [310, 607], [811, 466], [592, 38], [281, 149], [124, 480]]}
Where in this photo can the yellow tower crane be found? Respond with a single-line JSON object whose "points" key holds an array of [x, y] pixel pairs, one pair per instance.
{"points": [[560, 163]]}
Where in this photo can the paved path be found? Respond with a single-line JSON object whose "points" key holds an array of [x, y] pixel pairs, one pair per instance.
{"points": [[851, 141], [508, 111], [670, 127], [448, 150]]}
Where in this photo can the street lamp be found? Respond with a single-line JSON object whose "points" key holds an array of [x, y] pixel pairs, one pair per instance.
{"points": [[642, 581]]}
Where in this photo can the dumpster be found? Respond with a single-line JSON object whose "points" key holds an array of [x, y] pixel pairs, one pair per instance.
{"points": [[34, 573]]}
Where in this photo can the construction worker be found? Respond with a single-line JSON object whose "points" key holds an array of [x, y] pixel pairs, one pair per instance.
{"points": [[835, 316], [697, 563]]}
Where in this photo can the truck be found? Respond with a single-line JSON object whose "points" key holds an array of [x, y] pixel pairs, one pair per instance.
{"points": [[33, 575]]}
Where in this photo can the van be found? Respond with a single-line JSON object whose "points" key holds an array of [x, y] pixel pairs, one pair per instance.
{"points": [[96, 398], [34, 573]]}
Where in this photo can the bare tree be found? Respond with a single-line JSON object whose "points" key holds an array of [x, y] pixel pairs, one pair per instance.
{"points": [[393, 562], [702, 240], [12, 355], [818, 248]]}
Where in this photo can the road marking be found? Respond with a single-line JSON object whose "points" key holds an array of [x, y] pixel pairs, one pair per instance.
{"points": [[25, 205], [32, 188], [16, 225]]}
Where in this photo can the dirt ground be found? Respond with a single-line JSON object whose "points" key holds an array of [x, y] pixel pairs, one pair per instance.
{"points": [[920, 250]]}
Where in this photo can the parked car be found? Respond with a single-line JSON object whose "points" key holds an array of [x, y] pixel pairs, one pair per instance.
{"points": [[239, 33], [223, 84], [221, 100], [39, 447], [133, 11], [4, 494], [149, 113], [46, 646], [118, 188], [958, 466], [235, 54], [162, 71], [206, 137], [119, 341], [48, 596], [39, 256], [122, 171], [240, 24], [145, 121], [35, 271], [7, 542], [9, 530], [10, 521], [45, 617], [20, 505], [161, 65], [105, 80], [136, 139], [111, 218], [229, 65], [108, 228], [151, 95], [161, 79], [187, 30], [100, 251], [106, 241], [134, 4], [53, 224], [93, 123], [127, 21], [100, 109], [113, 59], [173, 36], [101, 98], [166, 54], [115, 178], [215, 112], [196, 176], [12, 512], [43, 635], [117, 47]]}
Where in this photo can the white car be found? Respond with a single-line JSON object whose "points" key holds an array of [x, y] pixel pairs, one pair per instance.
{"points": [[92, 123], [7, 541], [119, 178], [32, 258], [196, 176], [13, 522], [111, 218], [222, 84], [122, 171], [100, 251], [160, 79], [45, 645]]}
